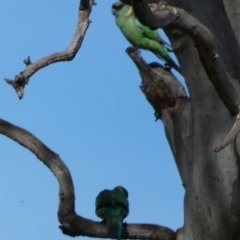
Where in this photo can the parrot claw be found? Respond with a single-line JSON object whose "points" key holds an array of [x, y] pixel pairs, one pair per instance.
{"points": [[167, 67], [132, 49], [169, 49], [135, 48]]}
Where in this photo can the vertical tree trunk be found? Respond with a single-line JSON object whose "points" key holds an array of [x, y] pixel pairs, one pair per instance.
{"points": [[233, 11], [212, 197], [207, 204], [209, 191]]}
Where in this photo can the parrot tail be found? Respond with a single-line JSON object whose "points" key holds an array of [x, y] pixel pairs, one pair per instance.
{"points": [[170, 62], [114, 226]]}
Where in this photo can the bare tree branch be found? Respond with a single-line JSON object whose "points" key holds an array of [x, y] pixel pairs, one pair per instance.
{"points": [[231, 135], [171, 104], [23, 77], [71, 223]]}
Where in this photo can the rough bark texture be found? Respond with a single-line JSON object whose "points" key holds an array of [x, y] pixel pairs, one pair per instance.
{"points": [[233, 12], [172, 106], [211, 204], [205, 37]]}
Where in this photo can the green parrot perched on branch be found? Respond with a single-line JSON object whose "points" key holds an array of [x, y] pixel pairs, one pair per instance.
{"points": [[141, 36], [112, 206]]}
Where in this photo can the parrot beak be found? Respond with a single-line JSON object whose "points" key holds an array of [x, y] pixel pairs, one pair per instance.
{"points": [[113, 11]]}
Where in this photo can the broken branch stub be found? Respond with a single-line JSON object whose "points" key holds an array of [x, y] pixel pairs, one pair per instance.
{"points": [[172, 105], [158, 84]]}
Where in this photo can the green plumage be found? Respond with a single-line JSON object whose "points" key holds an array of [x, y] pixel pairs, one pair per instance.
{"points": [[112, 206], [139, 35]]}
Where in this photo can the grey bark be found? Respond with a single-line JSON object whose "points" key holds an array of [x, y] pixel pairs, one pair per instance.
{"points": [[20, 80], [205, 38], [71, 223], [172, 105], [232, 8], [211, 204]]}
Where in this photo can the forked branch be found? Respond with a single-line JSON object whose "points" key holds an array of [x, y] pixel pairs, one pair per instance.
{"points": [[71, 223], [23, 77]]}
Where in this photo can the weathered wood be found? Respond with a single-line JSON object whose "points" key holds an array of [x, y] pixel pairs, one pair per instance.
{"points": [[206, 46], [72, 224], [20, 80], [172, 105], [233, 12], [214, 96]]}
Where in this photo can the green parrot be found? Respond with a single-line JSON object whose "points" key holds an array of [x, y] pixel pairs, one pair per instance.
{"points": [[112, 206], [141, 36]]}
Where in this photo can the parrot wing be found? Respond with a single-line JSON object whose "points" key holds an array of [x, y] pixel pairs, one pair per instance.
{"points": [[111, 212], [105, 198], [120, 197], [102, 199], [151, 34]]}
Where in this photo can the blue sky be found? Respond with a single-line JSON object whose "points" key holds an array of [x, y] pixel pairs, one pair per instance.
{"points": [[90, 111]]}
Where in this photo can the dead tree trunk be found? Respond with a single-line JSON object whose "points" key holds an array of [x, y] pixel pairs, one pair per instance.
{"points": [[202, 128], [206, 45]]}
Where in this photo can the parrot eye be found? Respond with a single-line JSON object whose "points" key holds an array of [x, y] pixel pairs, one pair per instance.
{"points": [[126, 192], [117, 6]]}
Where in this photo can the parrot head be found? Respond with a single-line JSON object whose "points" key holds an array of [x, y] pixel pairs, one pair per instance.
{"points": [[121, 189], [119, 8], [116, 7]]}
